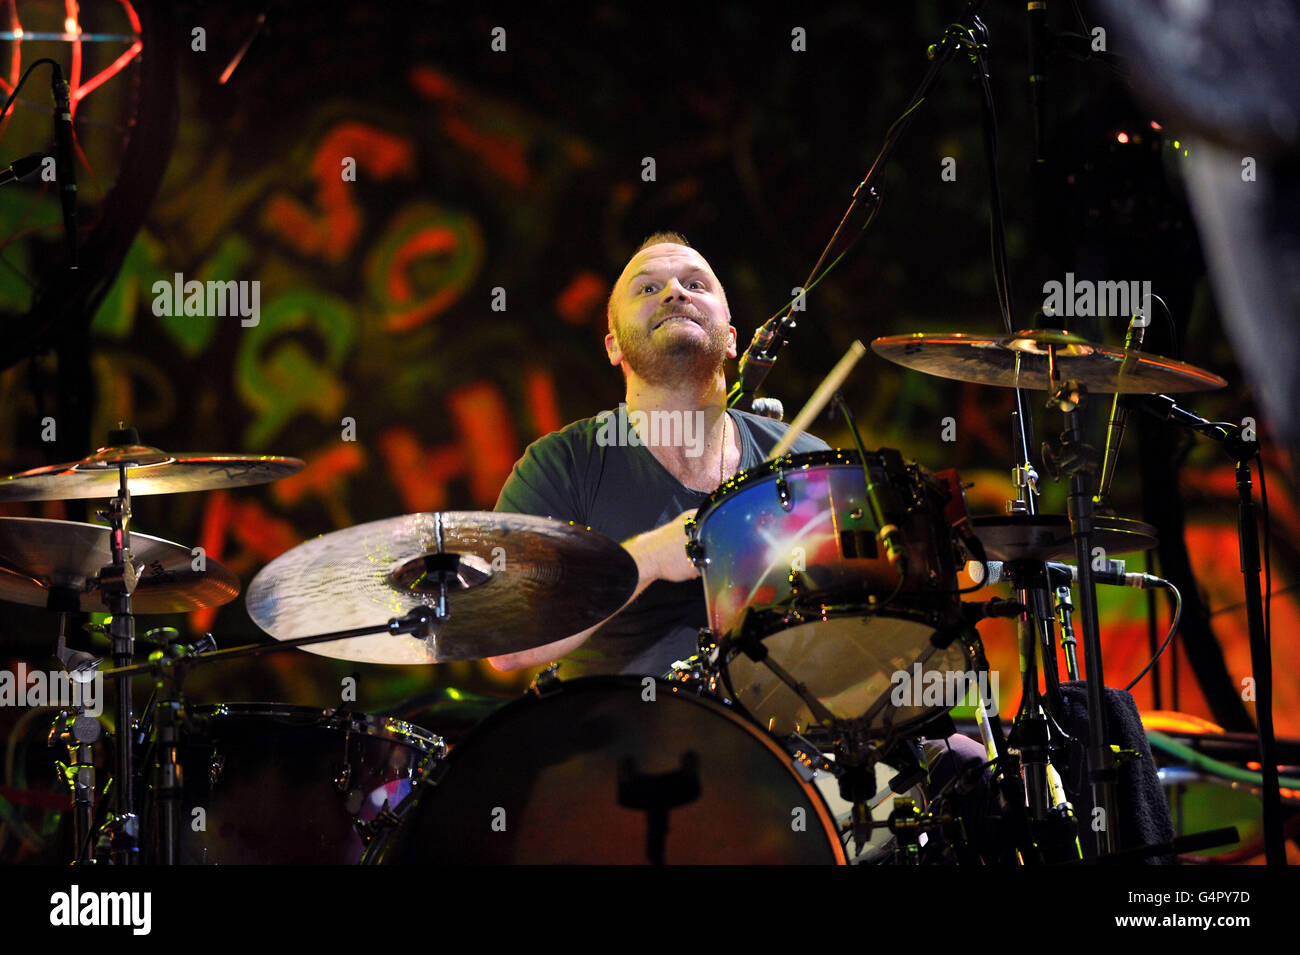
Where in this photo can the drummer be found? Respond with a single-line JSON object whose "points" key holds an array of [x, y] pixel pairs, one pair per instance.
{"points": [[670, 332], [637, 472]]}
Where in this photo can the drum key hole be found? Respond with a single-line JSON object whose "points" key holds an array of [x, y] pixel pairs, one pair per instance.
{"points": [[343, 778]]}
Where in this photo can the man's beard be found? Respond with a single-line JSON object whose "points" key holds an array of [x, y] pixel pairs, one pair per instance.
{"points": [[675, 358]]}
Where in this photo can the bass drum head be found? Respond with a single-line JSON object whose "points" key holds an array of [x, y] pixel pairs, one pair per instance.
{"points": [[857, 666], [590, 771]]}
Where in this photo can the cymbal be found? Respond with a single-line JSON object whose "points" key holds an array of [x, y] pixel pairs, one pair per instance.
{"points": [[149, 471], [1022, 360], [1047, 536], [517, 582], [37, 555]]}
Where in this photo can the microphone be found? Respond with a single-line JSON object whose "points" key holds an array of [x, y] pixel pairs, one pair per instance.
{"points": [[1113, 574], [20, 170], [65, 170], [881, 504], [755, 363], [1039, 44], [1118, 417]]}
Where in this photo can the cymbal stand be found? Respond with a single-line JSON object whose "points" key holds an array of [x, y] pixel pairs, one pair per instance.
{"points": [[1078, 460], [117, 582], [78, 731]]}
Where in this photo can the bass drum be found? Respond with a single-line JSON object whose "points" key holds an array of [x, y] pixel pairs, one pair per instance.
{"points": [[614, 770]]}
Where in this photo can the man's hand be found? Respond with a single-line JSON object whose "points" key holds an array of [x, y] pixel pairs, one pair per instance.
{"points": [[660, 554]]}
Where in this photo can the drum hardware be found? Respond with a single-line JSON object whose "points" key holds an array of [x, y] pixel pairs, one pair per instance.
{"points": [[1064, 612], [547, 682], [70, 566], [1067, 367]]}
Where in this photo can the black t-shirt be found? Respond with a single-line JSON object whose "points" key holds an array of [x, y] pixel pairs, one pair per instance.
{"points": [[622, 490]]}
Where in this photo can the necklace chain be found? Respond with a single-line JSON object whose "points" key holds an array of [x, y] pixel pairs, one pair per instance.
{"points": [[722, 459]]}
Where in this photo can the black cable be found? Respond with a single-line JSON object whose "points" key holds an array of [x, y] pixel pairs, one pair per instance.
{"points": [[1173, 629], [1175, 350], [23, 79]]}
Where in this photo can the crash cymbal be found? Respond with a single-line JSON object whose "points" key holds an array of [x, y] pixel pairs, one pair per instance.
{"points": [[149, 471], [518, 582], [1047, 536], [1022, 360], [38, 555]]}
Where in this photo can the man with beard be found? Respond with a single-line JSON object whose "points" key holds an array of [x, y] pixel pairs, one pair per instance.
{"points": [[670, 331]]}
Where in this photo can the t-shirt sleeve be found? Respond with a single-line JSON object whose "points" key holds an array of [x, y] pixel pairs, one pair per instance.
{"points": [[808, 442], [544, 482]]}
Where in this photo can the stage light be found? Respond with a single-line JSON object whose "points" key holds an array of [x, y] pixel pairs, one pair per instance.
{"points": [[1122, 137]]}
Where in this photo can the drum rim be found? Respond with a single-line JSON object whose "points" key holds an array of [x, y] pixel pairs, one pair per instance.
{"points": [[841, 457], [630, 682], [301, 715]]}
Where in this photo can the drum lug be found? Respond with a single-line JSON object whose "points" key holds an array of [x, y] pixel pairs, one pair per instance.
{"points": [[343, 779], [547, 682], [694, 549], [215, 768], [783, 491]]}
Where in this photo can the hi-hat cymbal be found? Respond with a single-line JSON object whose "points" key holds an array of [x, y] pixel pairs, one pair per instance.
{"points": [[149, 471], [37, 556], [518, 582], [1047, 536], [1022, 361]]}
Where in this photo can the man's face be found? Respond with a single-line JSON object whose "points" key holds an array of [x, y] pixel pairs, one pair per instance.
{"points": [[671, 321]]}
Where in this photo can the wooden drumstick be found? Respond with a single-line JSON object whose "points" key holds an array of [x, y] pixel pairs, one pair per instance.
{"points": [[821, 396]]}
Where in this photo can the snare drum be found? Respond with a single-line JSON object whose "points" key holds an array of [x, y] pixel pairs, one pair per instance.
{"points": [[614, 770], [274, 783], [792, 572]]}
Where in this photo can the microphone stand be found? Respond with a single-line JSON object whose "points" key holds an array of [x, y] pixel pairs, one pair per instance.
{"points": [[773, 334], [1242, 452]]}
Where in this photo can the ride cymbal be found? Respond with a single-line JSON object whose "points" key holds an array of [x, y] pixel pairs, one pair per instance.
{"points": [[1028, 359], [515, 582]]}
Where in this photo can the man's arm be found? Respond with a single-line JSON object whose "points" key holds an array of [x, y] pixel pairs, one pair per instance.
{"points": [[660, 554]]}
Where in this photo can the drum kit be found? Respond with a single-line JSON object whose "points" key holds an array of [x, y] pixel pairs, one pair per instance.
{"points": [[826, 575]]}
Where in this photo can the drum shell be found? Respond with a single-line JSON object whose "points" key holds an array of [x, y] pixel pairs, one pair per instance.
{"points": [[801, 529], [278, 783], [538, 782]]}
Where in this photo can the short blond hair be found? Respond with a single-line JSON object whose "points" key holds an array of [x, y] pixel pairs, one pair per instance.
{"points": [[654, 238]]}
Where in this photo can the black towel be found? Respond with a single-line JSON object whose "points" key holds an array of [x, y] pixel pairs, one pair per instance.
{"points": [[1143, 807]]}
